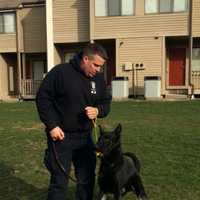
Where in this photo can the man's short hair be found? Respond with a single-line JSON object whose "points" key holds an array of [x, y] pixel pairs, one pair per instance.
{"points": [[95, 49]]}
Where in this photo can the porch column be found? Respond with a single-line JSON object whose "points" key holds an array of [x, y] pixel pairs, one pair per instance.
{"points": [[163, 66], [24, 65], [49, 32], [18, 53], [190, 39]]}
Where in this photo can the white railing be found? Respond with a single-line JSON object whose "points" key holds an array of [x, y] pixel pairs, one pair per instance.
{"points": [[30, 87], [196, 80]]}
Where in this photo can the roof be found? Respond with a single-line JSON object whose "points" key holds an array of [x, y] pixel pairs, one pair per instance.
{"points": [[10, 4]]}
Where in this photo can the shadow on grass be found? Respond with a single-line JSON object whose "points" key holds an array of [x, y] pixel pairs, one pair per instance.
{"points": [[14, 188]]}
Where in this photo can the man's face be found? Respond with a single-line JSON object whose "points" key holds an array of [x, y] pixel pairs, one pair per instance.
{"points": [[91, 66]]}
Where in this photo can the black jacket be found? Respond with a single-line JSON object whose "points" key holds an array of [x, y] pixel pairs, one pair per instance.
{"points": [[64, 94]]}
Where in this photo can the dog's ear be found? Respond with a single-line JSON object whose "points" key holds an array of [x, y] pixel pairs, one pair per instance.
{"points": [[118, 129]]}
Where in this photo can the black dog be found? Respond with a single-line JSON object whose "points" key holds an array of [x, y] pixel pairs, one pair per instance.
{"points": [[119, 172]]}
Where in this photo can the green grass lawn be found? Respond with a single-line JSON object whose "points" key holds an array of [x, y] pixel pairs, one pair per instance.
{"points": [[164, 135]]}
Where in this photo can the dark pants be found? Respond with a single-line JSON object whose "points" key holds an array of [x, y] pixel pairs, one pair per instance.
{"points": [[76, 148]]}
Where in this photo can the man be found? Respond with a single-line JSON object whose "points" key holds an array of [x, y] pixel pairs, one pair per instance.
{"points": [[69, 98]]}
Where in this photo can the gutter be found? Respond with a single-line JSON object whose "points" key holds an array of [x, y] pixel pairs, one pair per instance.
{"points": [[23, 5]]}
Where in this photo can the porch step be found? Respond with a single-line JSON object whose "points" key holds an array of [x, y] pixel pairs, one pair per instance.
{"points": [[176, 96]]}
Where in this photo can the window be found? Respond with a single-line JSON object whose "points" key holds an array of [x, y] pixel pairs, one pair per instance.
{"points": [[165, 6], [1, 23], [114, 7], [151, 6], [127, 7], [100, 7], [7, 22], [180, 5]]}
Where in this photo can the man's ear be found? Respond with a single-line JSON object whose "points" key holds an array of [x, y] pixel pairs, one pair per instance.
{"points": [[85, 59], [118, 129]]}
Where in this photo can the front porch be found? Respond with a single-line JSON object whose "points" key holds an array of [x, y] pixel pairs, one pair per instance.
{"points": [[29, 88], [195, 66], [33, 71], [195, 80], [182, 77]]}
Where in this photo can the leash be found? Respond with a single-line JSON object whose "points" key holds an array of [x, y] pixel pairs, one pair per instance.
{"points": [[94, 122], [60, 165]]}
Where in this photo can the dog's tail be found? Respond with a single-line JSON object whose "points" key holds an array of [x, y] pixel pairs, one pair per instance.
{"points": [[135, 160]]}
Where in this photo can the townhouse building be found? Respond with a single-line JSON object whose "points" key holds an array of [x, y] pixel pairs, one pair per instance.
{"points": [[143, 38], [22, 47]]}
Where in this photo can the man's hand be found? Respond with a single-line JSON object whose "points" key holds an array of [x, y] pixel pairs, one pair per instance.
{"points": [[57, 134], [91, 112]]}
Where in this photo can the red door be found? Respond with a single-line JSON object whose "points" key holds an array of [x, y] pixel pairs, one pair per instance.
{"points": [[177, 57]]}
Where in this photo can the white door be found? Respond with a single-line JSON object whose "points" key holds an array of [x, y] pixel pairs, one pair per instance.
{"points": [[38, 70]]}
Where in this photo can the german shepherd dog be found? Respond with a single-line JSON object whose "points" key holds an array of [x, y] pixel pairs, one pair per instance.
{"points": [[119, 172]]}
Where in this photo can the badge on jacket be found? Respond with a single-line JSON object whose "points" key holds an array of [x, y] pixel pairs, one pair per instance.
{"points": [[93, 87]]}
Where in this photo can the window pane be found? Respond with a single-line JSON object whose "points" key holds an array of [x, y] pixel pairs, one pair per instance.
{"points": [[114, 7], [127, 7], [1, 23], [151, 6], [165, 5], [9, 22], [180, 5], [100, 7]]}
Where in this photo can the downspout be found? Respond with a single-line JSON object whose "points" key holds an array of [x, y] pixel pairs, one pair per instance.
{"points": [[91, 20], [49, 34], [191, 86]]}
